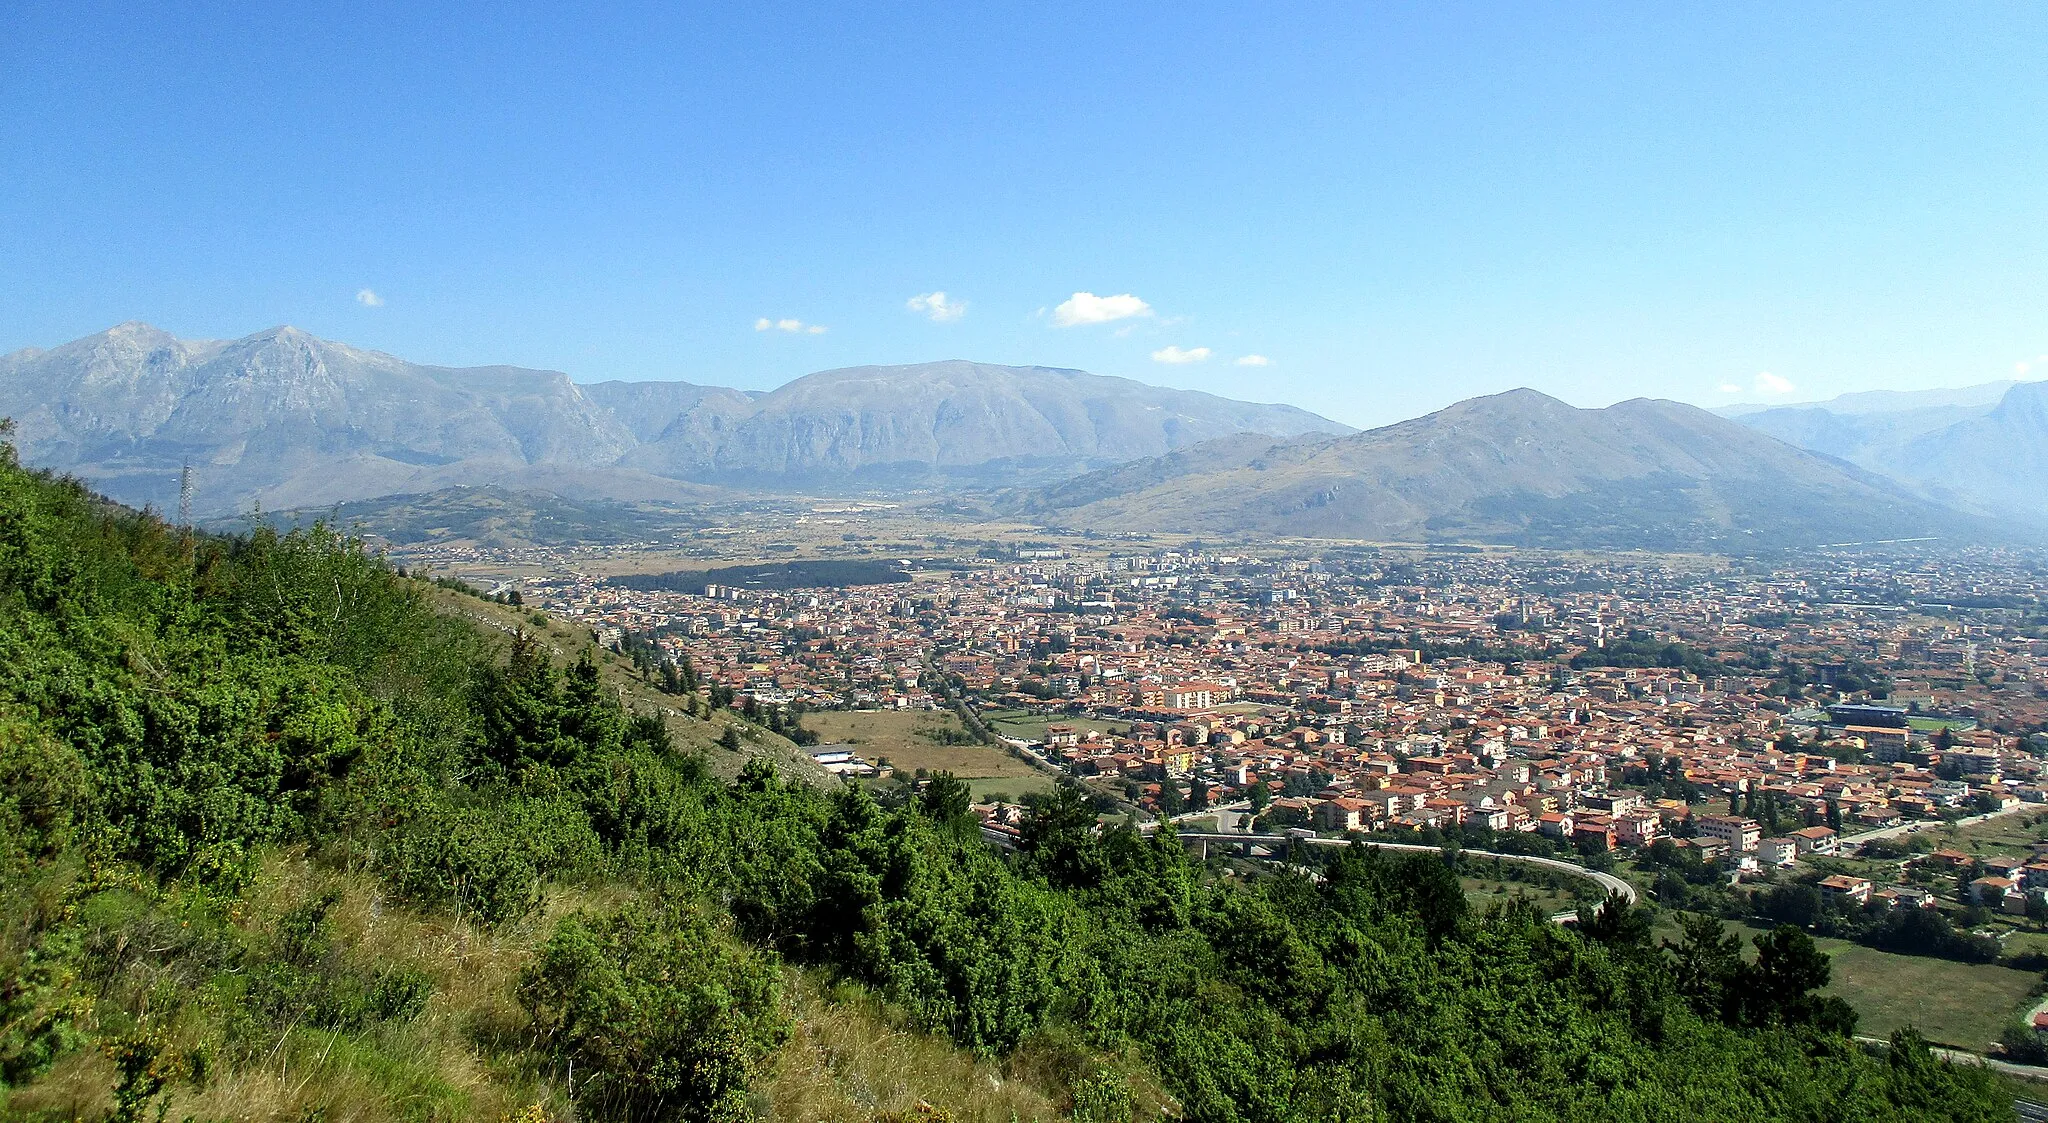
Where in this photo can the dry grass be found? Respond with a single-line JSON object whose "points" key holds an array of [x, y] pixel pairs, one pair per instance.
{"points": [[847, 1063], [456, 1061], [905, 739], [851, 1059], [2007, 835]]}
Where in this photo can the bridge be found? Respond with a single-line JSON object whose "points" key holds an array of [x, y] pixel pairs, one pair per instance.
{"points": [[1274, 845]]}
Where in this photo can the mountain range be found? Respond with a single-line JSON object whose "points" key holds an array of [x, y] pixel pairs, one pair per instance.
{"points": [[283, 419], [1518, 467]]}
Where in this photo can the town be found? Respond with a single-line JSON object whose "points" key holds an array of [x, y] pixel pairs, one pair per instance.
{"points": [[1603, 703]]}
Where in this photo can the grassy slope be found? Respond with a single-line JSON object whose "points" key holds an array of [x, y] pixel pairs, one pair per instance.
{"points": [[847, 1060]]}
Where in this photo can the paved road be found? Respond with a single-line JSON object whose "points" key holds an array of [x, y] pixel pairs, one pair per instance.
{"points": [[1958, 1056], [2027, 1019], [1606, 881], [1220, 812]]}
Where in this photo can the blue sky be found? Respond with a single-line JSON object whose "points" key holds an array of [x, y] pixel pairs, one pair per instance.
{"points": [[1395, 205]]}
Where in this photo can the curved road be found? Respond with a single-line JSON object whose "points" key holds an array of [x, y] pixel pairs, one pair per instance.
{"points": [[1607, 881]]}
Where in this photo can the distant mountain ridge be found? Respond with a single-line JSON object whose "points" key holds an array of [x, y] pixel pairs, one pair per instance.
{"points": [[284, 419], [1971, 448], [955, 419], [1520, 468], [1981, 396]]}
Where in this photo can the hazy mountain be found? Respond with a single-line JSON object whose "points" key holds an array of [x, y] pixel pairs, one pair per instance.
{"points": [[1982, 396], [647, 409], [1518, 467], [954, 419], [1997, 461], [286, 420], [1958, 447], [1869, 440]]}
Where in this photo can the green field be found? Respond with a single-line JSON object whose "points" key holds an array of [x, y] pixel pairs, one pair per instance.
{"points": [[1964, 1005], [1960, 1004], [1010, 788], [1481, 893], [1934, 724]]}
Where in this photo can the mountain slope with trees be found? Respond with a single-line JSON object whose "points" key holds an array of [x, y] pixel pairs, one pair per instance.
{"points": [[279, 840]]}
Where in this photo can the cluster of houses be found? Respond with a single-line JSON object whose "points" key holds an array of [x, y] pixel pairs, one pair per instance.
{"points": [[1430, 691], [1556, 780]]}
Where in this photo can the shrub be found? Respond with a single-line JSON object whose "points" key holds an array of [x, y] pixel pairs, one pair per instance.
{"points": [[1104, 1097], [660, 1015]]}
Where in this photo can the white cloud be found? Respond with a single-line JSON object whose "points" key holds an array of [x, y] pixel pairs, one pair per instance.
{"points": [[368, 298], [790, 325], [1088, 308], [2022, 367], [1254, 361], [942, 309], [1176, 355], [1774, 385], [1730, 388]]}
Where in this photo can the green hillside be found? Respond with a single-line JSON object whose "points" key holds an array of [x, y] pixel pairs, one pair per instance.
{"points": [[278, 840]]}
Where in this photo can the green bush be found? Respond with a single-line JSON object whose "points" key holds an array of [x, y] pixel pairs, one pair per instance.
{"points": [[659, 1015], [1104, 1097]]}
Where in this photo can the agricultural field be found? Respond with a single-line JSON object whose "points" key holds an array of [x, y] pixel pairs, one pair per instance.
{"points": [[911, 740], [1960, 1004], [1964, 1005]]}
